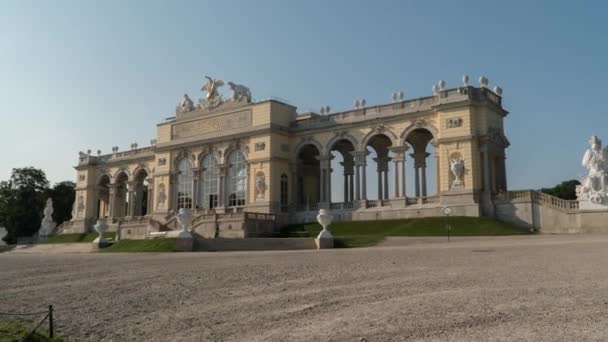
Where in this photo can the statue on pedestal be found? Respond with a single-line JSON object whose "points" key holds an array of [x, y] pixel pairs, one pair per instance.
{"points": [[47, 226], [594, 186]]}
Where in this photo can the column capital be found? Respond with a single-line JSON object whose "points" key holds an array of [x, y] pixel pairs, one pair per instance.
{"points": [[399, 149]]}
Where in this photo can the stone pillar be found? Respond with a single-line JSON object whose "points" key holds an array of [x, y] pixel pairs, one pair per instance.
{"points": [[487, 182], [328, 183], [112, 210], [403, 180], [357, 182], [346, 192], [221, 201], [196, 176], [351, 189], [131, 185], [150, 205], [423, 169], [364, 183], [417, 180], [386, 183], [396, 165], [380, 195]]}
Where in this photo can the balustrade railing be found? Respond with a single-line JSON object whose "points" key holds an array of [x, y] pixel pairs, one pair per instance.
{"points": [[536, 197]]}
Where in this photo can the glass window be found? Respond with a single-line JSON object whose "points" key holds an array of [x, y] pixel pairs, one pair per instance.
{"points": [[184, 184], [209, 184], [237, 179]]}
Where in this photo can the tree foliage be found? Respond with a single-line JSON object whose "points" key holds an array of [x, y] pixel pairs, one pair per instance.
{"points": [[565, 190], [23, 197]]}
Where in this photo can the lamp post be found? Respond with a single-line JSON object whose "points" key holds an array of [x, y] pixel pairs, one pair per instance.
{"points": [[447, 211]]}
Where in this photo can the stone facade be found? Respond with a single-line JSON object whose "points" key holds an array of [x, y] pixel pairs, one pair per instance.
{"points": [[229, 160]]}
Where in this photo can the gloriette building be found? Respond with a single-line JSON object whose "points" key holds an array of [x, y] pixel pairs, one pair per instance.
{"points": [[246, 168]]}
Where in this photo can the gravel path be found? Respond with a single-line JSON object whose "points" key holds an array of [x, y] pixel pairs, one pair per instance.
{"points": [[541, 288]]}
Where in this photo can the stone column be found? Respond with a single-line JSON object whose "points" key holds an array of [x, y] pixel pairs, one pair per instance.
{"points": [[351, 189], [221, 201], [196, 176], [380, 195], [386, 183], [403, 187], [346, 192], [417, 180], [364, 183], [487, 182], [111, 210], [357, 182], [423, 169], [150, 204], [131, 185], [396, 165]]}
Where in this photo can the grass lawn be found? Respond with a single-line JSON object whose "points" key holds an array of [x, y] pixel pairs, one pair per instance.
{"points": [[369, 233], [78, 237], [134, 246], [14, 331]]}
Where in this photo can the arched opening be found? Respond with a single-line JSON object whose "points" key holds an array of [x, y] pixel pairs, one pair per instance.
{"points": [[377, 162], [423, 161], [209, 185], [308, 175], [237, 179], [342, 183], [284, 195], [184, 184], [120, 195], [103, 197], [140, 194]]}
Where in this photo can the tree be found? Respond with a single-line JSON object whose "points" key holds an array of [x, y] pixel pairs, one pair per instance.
{"points": [[8, 197], [565, 190], [63, 199], [31, 188]]}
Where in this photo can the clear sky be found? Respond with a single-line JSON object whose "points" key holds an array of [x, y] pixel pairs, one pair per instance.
{"points": [[77, 75]]}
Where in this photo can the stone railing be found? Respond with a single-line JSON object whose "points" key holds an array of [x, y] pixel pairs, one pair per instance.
{"points": [[91, 159], [536, 197], [407, 106]]}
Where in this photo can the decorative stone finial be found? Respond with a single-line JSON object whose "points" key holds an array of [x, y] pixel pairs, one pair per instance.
{"points": [[498, 90], [325, 110], [441, 85], [435, 89], [483, 81], [465, 80]]}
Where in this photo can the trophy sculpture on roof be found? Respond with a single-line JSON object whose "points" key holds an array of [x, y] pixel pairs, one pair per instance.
{"points": [[213, 99]]}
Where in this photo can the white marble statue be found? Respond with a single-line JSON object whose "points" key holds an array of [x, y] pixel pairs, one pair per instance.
{"points": [[457, 169], [260, 185], [184, 217], [185, 105], [3, 233], [100, 227], [213, 98], [239, 92], [594, 186], [47, 226]]}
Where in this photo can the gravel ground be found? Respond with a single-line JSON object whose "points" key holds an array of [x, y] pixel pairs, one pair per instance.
{"points": [[540, 288]]}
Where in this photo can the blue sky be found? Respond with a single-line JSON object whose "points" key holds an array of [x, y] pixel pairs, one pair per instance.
{"points": [[81, 74]]}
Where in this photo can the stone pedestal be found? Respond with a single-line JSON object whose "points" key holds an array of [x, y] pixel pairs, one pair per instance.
{"points": [[324, 240], [588, 205], [185, 242]]}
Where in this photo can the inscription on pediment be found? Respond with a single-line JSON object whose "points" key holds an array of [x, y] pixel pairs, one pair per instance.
{"points": [[215, 124]]}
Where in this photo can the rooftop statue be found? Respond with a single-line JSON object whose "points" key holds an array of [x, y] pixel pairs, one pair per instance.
{"points": [[239, 92], [594, 186], [185, 105], [213, 98]]}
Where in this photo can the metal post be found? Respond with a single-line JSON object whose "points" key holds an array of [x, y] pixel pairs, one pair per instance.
{"points": [[50, 321]]}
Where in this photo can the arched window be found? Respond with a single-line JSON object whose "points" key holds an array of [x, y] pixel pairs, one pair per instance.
{"points": [[209, 184], [284, 194], [237, 179], [184, 184]]}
